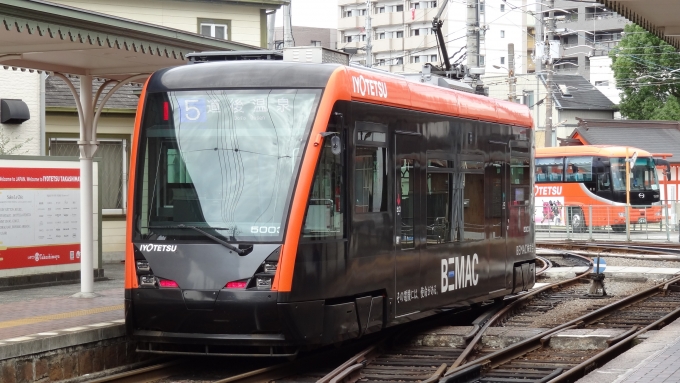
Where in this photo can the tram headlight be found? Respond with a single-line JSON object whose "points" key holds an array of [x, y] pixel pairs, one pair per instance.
{"points": [[147, 281], [143, 267], [263, 281]]}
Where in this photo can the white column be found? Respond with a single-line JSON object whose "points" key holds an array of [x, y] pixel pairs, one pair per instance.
{"points": [[87, 148]]}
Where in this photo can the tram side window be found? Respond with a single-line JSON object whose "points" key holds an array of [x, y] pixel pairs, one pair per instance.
{"points": [[370, 179], [579, 169], [473, 202], [550, 169], [326, 207], [520, 179], [439, 185]]}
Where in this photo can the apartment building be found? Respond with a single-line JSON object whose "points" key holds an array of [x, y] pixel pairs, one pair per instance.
{"points": [[403, 39], [585, 29]]}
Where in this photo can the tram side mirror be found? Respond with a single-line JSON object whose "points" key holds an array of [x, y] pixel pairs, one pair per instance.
{"points": [[336, 145]]}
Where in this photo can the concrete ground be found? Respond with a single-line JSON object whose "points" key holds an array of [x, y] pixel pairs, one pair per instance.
{"points": [[114, 272]]}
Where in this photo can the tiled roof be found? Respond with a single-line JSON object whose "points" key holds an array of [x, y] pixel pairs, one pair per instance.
{"points": [[652, 136], [57, 94], [584, 96]]}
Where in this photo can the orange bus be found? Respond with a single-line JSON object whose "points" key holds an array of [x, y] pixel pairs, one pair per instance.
{"points": [[571, 179]]}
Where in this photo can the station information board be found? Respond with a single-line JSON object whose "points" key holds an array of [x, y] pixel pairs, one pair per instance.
{"points": [[39, 216]]}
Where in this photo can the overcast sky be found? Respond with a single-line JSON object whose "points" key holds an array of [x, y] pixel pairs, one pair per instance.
{"points": [[312, 13]]}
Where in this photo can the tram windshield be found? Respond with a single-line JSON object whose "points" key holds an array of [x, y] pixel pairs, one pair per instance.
{"points": [[223, 161], [642, 176]]}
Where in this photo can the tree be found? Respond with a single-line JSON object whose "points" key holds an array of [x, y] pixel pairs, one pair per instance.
{"points": [[7, 147], [644, 67]]}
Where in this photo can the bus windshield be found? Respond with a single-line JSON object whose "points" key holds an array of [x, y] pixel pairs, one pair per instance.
{"points": [[223, 161], [643, 175]]}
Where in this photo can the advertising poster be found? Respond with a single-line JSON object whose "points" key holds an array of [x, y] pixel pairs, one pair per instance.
{"points": [[549, 205], [39, 217], [550, 211]]}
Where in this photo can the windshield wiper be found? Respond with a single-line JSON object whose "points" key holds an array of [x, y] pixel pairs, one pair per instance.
{"points": [[221, 242]]}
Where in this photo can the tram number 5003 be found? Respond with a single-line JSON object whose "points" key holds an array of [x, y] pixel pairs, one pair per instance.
{"points": [[265, 229]]}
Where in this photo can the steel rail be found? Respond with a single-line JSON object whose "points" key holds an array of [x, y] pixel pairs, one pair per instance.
{"points": [[518, 349], [351, 363], [618, 247], [145, 374], [546, 265], [508, 309], [617, 346]]}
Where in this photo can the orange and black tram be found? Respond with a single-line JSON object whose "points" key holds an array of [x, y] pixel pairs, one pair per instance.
{"points": [[279, 206]]}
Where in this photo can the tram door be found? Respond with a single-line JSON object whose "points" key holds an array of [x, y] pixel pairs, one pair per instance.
{"points": [[408, 222], [496, 213]]}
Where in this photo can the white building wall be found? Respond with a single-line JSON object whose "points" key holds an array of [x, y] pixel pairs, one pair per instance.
{"points": [[245, 20], [601, 73], [26, 87], [507, 26]]}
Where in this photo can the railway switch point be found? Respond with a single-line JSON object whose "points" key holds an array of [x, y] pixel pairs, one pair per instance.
{"points": [[596, 285], [597, 279]]}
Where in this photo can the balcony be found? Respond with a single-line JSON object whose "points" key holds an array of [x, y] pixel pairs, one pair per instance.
{"points": [[388, 45], [413, 68], [353, 44], [384, 19], [350, 2], [420, 42], [351, 22], [421, 15]]}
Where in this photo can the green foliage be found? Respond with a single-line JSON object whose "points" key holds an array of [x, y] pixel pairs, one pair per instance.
{"points": [[7, 147], [643, 65]]}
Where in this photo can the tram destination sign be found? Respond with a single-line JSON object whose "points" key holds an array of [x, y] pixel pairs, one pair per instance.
{"points": [[39, 216]]}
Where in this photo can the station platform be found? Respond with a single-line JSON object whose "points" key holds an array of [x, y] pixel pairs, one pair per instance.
{"points": [[43, 319], [45, 309], [656, 359]]}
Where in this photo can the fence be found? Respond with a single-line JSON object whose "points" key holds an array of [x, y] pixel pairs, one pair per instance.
{"points": [[657, 223]]}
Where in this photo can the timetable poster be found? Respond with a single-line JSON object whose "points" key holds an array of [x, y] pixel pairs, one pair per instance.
{"points": [[39, 217]]}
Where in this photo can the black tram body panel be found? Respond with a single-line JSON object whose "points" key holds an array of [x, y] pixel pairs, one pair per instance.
{"points": [[417, 212]]}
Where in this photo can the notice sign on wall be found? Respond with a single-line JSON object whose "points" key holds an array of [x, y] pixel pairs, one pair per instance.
{"points": [[39, 217]]}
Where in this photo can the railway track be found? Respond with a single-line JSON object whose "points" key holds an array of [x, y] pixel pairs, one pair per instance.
{"points": [[390, 363], [546, 265], [534, 360], [638, 248], [382, 361]]}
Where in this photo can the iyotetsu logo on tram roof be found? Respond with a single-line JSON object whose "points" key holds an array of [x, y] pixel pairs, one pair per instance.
{"points": [[368, 87]]}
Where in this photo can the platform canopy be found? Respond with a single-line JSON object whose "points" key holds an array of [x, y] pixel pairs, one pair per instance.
{"points": [[65, 42], [659, 17], [57, 38]]}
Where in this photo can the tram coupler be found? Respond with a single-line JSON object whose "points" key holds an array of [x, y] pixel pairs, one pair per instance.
{"points": [[597, 284]]}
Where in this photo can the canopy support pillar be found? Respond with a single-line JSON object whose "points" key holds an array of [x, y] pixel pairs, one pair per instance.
{"points": [[88, 115]]}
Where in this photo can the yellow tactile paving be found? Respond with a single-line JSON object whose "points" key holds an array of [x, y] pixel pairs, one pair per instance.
{"points": [[46, 318]]}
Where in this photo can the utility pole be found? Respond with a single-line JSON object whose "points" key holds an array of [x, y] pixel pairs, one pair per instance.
{"points": [[550, 29], [287, 27], [369, 36], [512, 80], [271, 25], [472, 34]]}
